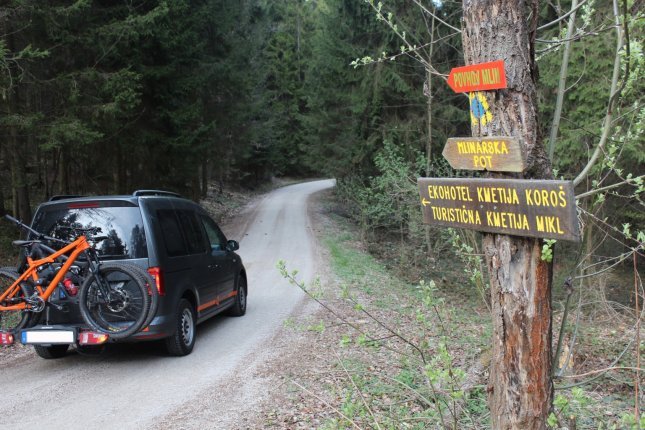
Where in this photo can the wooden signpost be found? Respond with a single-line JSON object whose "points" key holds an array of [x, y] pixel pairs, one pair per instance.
{"points": [[495, 154], [478, 77], [520, 207], [534, 208]]}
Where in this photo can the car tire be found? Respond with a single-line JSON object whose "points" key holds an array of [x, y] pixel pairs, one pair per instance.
{"points": [[239, 305], [183, 340], [52, 351]]}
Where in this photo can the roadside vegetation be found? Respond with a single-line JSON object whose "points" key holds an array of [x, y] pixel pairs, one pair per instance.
{"points": [[403, 347]]}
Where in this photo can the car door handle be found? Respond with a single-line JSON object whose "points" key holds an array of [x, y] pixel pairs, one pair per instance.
{"points": [[213, 266]]}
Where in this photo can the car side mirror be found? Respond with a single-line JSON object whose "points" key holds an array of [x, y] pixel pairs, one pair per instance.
{"points": [[232, 245]]}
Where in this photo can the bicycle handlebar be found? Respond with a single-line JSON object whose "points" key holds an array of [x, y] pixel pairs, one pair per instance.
{"points": [[38, 234]]}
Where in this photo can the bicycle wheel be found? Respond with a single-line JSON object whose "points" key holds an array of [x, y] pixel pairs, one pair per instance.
{"points": [[123, 308], [12, 321], [149, 282]]}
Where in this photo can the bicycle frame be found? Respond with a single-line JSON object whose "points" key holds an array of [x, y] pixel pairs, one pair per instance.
{"points": [[75, 248]]}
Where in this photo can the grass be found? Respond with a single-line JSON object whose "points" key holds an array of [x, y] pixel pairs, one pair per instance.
{"points": [[384, 384], [387, 381]]}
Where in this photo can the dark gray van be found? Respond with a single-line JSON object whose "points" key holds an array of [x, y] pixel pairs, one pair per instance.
{"points": [[194, 267]]}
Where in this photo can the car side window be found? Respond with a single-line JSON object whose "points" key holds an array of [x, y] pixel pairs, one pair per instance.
{"points": [[193, 232], [171, 232], [215, 235]]}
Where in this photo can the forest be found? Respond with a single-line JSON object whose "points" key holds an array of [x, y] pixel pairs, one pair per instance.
{"points": [[104, 97], [107, 97]]}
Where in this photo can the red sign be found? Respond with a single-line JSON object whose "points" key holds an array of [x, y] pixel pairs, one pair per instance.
{"points": [[478, 77]]}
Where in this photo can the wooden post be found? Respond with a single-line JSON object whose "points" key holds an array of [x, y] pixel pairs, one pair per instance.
{"points": [[520, 386]]}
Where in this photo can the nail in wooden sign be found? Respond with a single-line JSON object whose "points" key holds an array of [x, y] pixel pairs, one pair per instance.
{"points": [[494, 154], [519, 207]]}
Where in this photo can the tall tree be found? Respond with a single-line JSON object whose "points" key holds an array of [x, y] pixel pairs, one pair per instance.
{"points": [[520, 385]]}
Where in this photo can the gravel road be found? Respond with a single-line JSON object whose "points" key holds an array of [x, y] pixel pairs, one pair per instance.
{"points": [[138, 387]]}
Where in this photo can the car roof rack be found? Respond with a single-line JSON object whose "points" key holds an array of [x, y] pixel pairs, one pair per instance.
{"points": [[140, 193], [63, 197]]}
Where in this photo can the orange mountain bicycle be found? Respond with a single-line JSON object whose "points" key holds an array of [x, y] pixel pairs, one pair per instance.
{"points": [[114, 298]]}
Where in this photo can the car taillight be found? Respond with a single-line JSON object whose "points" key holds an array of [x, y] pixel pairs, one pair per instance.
{"points": [[156, 273], [83, 205], [91, 338], [6, 338]]}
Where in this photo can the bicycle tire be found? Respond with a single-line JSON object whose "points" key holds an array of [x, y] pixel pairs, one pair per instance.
{"points": [[13, 321], [149, 281], [123, 313]]}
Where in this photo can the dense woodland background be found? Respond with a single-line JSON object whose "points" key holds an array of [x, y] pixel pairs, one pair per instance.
{"points": [[102, 97], [107, 97], [198, 96]]}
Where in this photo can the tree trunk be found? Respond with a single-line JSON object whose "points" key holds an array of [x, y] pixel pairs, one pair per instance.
{"points": [[195, 189], [63, 171], [15, 151], [119, 171], [19, 180], [520, 386], [204, 177], [2, 209]]}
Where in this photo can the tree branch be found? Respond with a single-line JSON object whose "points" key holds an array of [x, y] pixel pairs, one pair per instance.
{"points": [[614, 92], [593, 372], [608, 187], [555, 125], [426, 10], [572, 11]]}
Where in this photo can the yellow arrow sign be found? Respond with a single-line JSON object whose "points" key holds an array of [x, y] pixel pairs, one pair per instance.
{"points": [[425, 202]]}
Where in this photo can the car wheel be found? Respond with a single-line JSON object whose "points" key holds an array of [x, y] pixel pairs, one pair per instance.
{"points": [[239, 305], [52, 351], [183, 340]]}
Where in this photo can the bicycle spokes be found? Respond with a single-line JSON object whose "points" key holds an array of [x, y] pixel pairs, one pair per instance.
{"points": [[115, 301]]}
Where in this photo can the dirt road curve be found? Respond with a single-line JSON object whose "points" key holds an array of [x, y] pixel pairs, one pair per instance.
{"points": [[136, 386]]}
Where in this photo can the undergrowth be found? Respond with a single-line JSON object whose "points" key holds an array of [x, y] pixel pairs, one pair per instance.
{"points": [[415, 354]]}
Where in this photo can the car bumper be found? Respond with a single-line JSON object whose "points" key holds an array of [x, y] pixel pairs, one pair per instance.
{"points": [[160, 327]]}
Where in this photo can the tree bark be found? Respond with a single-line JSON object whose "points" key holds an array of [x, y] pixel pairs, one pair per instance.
{"points": [[520, 386], [63, 172], [19, 180], [204, 177], [2, 209]]}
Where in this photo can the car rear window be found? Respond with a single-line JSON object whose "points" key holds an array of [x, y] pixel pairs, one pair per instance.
{"points": [[122, 225]]}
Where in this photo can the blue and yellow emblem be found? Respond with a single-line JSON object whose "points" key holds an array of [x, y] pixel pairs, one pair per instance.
{"points": [[479, 111]]}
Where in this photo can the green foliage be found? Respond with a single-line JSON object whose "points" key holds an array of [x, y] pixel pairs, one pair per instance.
{"points": [[547, 250], [375, 396], [466, 247], [129, 91], [590, 70], [388, 201]]}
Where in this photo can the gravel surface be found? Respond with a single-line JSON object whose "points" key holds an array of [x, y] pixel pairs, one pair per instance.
{"points": [[224, 384]]}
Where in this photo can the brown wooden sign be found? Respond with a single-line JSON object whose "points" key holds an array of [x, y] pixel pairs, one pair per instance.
{"points": [[534, 208], [495, 154]]}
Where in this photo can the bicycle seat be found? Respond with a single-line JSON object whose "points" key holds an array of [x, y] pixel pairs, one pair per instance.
{"points": [[24, 242]]}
